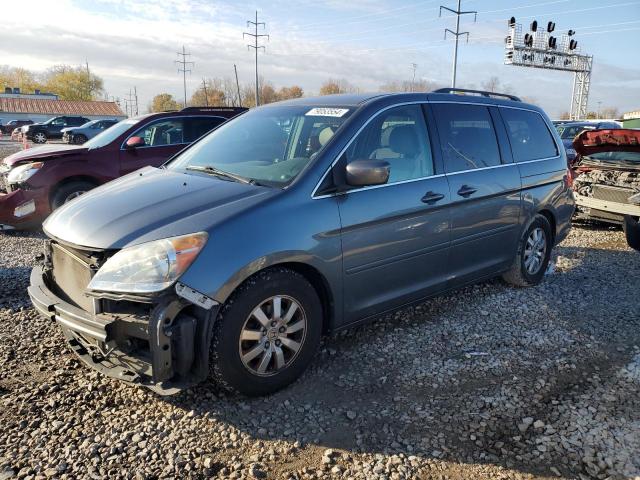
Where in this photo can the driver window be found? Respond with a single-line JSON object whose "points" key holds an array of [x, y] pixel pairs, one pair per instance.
{"points": [[399, 137], [59, 122], [162, 132]]}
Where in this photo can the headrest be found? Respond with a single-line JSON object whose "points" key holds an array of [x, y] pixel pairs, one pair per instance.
{"points": [[403, 140]]}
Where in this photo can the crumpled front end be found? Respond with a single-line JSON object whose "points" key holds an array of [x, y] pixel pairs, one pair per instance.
{"points": [[607, 195], [160, 341]]}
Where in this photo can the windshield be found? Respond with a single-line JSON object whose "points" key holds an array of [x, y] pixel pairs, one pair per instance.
{"points": [[270, 145], [570, 131], [110, 134], [88, 124], [616, 157]]}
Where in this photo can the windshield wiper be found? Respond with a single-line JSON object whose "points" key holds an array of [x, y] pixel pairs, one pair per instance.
{"points": [[221, 173]]}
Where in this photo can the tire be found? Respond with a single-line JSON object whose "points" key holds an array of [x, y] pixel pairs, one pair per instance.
{"points": [[227, 367], [526, 271], [39, 137], [68, 192], [79, 139]]}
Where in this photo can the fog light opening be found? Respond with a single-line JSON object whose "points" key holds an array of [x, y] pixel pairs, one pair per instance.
{"points": [[25, 209]]}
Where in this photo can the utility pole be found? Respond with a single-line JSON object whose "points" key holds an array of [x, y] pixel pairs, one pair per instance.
{"points": [[183, 68], [456, 34], [237, 86], [135, 95], [599, 103], [88, 80], [256, 47], [413, 80], [204, 87], [130, 102]]}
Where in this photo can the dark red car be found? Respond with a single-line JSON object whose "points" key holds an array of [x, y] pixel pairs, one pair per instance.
{"points": [[35, 182]]}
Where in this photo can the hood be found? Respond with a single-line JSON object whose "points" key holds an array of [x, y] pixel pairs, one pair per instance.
{"points": [[68, 129], [150, 204], [589, 142], [45, 152]]}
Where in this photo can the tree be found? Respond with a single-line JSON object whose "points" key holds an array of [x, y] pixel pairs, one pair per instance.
{"points": [[73, 83], [22, 78], [333, 86], [266, 91], [565, 116], [609, 112], [494, 85], [420, 85], [163, 102], [210, 94], [286, 93]]}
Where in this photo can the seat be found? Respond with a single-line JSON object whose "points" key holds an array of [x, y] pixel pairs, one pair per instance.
{"points": [[405, 147]]}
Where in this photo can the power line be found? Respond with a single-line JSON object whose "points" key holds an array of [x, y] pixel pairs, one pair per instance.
{"points": [[256, 47], [457, 35], [183, 68]]}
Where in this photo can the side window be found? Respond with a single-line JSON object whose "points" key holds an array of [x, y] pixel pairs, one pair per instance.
{"points": [[195, 127], [467, 137], [59, 122], [399, 137], [167, 131], [529, 136]]}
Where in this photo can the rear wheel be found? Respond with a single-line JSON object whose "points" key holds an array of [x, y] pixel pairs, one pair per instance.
{"points": [[532, 257], [40, 137], [267, 333], [79, 139], [68, 192]]}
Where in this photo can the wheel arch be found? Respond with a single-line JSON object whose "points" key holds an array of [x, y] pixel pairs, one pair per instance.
{"points": [[549, 215], [71, 179], [317, 280]]}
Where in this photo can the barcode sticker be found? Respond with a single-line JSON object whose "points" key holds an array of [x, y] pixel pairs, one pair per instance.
{"points": [[327, 112]]}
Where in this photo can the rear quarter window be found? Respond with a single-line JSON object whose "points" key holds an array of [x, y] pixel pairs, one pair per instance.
{"points": [[529, 135]]}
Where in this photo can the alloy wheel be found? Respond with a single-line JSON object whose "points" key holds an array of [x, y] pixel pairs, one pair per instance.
{"points": [[535, 250], [73, 195], [272, 335], [40, 138]]}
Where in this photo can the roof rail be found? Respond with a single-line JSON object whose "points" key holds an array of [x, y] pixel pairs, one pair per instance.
{"points": [[214, 109], [478, 92]]}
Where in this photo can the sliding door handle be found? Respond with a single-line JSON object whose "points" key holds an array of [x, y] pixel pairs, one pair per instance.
{"points": [[466, 190], [432, 197]]}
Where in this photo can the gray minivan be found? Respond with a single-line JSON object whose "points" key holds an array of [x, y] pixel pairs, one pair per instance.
{"points": [[296, 219]]}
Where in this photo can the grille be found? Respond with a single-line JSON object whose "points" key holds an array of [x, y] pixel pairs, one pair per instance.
{"points": [[71, 275], [612, 194]]}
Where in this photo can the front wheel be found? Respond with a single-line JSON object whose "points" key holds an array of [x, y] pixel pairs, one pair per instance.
{"points": [[266, 334], [79, 139], [68, 192], [532, 257], [40, 137]]}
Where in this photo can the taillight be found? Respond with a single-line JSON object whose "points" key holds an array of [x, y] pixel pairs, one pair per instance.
{"points": [[568, 178]]}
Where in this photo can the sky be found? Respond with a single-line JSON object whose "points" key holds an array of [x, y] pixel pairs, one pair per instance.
{"points": [[367, 42]]}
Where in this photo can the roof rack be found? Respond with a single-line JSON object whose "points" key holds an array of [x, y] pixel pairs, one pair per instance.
{"points": [[478, 92], [214, 109]]}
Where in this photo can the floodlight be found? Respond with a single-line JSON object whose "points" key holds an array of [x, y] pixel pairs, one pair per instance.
{"points": [[551, 27], [534, 26]]}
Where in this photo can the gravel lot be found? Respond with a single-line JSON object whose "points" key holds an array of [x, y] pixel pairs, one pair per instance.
{"points": [[486, 382]]}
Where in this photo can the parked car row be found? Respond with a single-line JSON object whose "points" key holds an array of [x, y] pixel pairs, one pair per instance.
{"points": [[12, 125], [79, 135], [35, 182], [293, 219]]}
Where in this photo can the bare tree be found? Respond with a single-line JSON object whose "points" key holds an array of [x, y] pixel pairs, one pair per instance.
{"points": [[333, 86]]}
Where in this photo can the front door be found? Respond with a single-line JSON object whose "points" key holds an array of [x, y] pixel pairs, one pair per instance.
{"points": [[485, 191], [395, 237], [162, 138]]}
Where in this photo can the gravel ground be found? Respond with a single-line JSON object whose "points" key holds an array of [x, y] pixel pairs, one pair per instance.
{"points": [[486, 382]]}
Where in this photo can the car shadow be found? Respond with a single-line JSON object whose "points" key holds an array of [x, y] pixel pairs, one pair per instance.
{"points": [[453, 378]]}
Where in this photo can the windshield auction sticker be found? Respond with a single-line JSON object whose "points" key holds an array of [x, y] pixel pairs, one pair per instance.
{"points": [[326, 112]]}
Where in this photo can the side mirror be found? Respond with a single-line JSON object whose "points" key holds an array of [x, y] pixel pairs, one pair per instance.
{"points": [[134, 142], [362, 173]]}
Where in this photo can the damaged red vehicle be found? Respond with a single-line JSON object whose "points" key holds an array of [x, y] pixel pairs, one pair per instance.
{"points": [[607, 179]]}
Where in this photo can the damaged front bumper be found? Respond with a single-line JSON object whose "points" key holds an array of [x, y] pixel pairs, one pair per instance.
{"points": [[604, 210], [163, 344]]}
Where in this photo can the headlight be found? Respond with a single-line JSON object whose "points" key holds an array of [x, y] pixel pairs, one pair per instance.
{"points": [[149, 267], [23, 172]]}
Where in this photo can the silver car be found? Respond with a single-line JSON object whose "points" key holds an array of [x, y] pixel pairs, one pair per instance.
{"points": [[79, 135], [297, 219]]}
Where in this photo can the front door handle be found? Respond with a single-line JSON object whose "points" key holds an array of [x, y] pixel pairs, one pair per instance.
{"points": [[466, 190], [432, 197]]}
